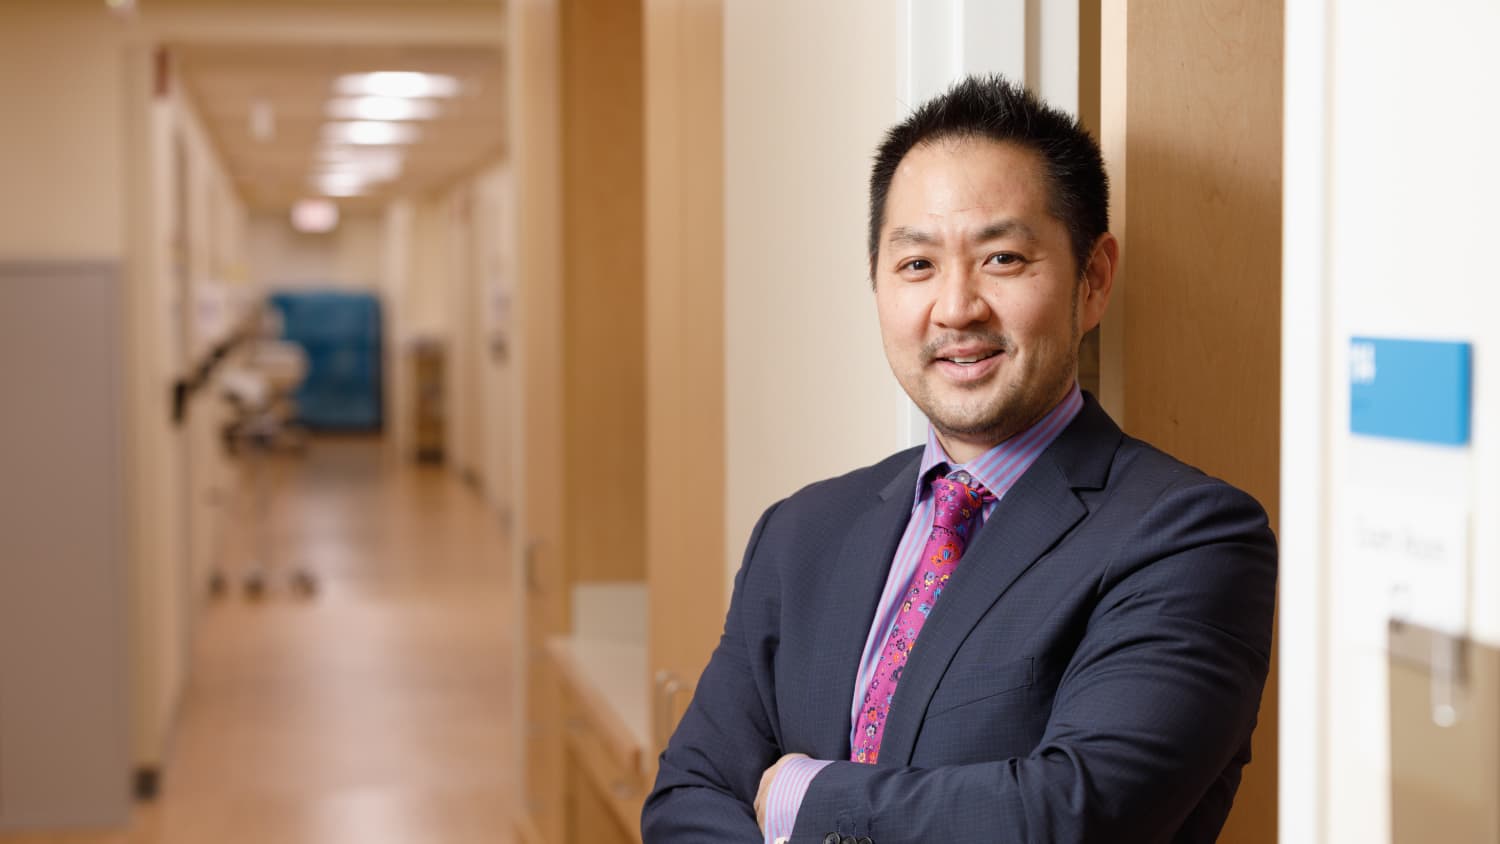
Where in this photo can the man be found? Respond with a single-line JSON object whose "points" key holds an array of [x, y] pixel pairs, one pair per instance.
{"points": [[1032, 629]]}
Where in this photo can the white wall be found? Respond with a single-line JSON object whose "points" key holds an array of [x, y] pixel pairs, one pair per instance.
{"points": [[1390, 179]]}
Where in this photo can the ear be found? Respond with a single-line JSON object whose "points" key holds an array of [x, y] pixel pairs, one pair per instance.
{"points": [[1098, 281]]}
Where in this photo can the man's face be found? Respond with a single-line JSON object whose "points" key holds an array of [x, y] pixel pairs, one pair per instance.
{"points": [[978, 295]]}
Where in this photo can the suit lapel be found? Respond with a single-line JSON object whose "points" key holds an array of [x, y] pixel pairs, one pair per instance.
{"points": [[856, 582], [1032, 517]]}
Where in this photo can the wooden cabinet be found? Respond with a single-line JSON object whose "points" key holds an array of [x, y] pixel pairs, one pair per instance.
{"points": [[602, 707]]}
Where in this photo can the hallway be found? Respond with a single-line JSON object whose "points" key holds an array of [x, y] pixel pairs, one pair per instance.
{"points": [[378, 711]]}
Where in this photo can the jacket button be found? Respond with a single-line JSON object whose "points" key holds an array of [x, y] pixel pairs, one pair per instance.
{"points": [[848, 839], [831, 838]]}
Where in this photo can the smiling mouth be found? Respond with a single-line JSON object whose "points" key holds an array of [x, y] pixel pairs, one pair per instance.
{"points": [[970, 360]]}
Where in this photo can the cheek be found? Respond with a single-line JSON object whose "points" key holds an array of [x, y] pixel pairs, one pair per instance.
{"points": [[899, 323]]}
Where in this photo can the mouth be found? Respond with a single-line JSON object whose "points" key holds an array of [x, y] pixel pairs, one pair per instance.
{"points": [[971, 359], [963, 366]]}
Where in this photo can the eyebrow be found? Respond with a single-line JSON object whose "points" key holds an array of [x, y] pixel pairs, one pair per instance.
{"points": [[906, 235]]}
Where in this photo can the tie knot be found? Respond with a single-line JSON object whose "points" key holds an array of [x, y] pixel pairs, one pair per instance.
{"points": [[964, 478], [959, 499]]}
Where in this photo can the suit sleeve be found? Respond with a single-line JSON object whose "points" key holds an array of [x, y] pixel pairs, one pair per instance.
{"points": [[1157, 702], [709, 773]]}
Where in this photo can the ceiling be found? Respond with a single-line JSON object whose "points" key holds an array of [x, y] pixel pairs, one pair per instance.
{"points": [[225, 84]]}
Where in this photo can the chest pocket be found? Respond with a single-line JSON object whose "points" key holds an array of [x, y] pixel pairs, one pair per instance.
{"points": [[974, 683]]}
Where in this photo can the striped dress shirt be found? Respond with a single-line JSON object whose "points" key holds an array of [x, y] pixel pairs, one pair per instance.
{"points": [[998, 470]]}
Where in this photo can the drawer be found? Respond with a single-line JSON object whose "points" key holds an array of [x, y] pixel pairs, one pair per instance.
{"points": [[621, 789]]}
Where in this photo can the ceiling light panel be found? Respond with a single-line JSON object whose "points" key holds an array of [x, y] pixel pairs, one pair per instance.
{"points": [[370, 132], [390, 83], [376, 163], [340, 184], [382, 108]]}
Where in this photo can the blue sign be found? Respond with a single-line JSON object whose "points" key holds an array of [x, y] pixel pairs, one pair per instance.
{"points": [[1417, 390]]}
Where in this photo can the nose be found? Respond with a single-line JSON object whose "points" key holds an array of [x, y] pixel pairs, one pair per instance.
{"points": [[959, 301]]}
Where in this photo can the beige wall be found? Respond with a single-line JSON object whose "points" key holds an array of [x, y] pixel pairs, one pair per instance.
{"points": [[396, 279], [90, 175], [495, 279], [186, 242], [62, 165], [349, 257], [808, 90]]}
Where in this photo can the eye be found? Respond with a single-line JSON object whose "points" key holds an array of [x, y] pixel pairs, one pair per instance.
{"points": [[915, 265], [1004, 259]]}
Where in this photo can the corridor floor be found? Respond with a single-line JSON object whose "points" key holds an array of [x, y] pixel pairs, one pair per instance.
{"points": [[379, 710]]}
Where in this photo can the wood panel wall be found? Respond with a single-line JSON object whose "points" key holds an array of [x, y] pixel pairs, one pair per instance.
{"points": [[540, 548], [685, 340], [603, 288], [1192, 122]]}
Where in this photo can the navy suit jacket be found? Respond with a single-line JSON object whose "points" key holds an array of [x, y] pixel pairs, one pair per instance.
{"points": [[1092, 672]]}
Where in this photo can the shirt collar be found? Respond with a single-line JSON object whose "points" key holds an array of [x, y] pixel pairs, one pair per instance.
{"points": [[999, 468]]}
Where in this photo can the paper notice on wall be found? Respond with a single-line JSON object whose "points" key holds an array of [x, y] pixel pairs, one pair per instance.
{"points": [[1418, 548]]}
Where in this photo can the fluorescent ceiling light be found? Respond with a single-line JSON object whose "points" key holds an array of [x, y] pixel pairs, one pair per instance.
{"points": [[339, 183], [382, 108], [333, 187], [342, 153], [372, 132], [393, 83], [380, 167], [315, 216]]}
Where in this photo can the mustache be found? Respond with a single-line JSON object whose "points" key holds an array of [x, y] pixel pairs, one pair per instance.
{"points": [[990, 339]]}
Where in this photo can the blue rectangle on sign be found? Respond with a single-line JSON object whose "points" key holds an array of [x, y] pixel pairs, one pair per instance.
{"points": [[1416, 390]]}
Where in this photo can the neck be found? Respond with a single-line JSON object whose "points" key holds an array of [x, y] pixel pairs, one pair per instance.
{"points": [[967, 447]]}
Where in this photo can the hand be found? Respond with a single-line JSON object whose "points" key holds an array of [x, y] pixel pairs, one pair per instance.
{"points": [[766, 779]]}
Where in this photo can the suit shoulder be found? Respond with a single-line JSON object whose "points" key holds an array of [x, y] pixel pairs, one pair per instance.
{"points": [[840, 492], [1154, 474]]}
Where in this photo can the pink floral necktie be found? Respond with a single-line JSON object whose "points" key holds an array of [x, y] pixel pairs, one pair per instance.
{"points": [[958, 501]]}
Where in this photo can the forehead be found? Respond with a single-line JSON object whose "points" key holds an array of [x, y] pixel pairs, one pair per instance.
{"points": [[966, 177]]}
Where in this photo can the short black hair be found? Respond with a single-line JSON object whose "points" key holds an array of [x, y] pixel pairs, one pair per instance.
{"points": [[994, 108]]}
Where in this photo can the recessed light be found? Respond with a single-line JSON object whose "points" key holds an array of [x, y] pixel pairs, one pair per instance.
{"points": [[340, 184], [315, 216], [369, 132], [382, 164], [397, 83], [382, 108]]}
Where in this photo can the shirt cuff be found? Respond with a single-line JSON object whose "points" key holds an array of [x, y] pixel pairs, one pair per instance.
{"points": [[785, 797]]}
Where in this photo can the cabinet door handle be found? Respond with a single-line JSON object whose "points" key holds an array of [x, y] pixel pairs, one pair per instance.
{"points": [[666, 686]]}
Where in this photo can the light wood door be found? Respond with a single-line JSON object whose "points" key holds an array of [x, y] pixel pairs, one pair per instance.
{"points": [[1191, 124], [686, 575]]}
